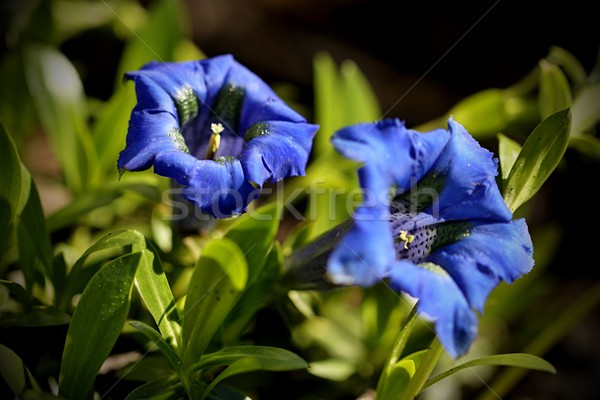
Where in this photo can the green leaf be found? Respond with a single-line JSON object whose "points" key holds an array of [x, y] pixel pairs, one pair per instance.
{"points": [[327, 88], [540, 155], [15, 373], [59, 100], [219, 278], [165, 388], [156, 39], [586, 144], [483, 113], [153, 287], [254, 232], [268, 355], [10, 186], [361, 102], [509, 360], [35, 249], [162, 345], [399, 376], [111, 128], [96, 325], [109, 241], [35, 316], [82, 205], [569, 62], [508, 151], [586, 109], [243, 359], [555, 92]]}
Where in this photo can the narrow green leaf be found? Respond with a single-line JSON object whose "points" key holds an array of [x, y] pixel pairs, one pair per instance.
{"points": [[15, 373], [399, 376], [272, 356], [10, 186], [254, 233], [586, 109], [59, 100], [82, 205], [483, 113], [96, 325], [19, 293], [265, 359], [35, 316], [508, 151], [327, 113], [255, 297], [428, 362], [160, 388], [540, 155], [153, 287], [555, 92], [156, 39], [219, 278], [586, 144], [111, 240], [508, 360], [35, 249], [361, 102], [569, 62], [162, 345]]}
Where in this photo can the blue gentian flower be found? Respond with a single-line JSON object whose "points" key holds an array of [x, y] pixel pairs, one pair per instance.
{"points": [[432, 221], [215, 128]]}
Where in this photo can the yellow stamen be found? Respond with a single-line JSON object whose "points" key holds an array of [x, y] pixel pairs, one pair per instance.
{"points": [[406, 238], [215, 140]]}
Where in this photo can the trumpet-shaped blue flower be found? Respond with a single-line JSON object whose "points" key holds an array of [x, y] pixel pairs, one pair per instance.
{"points": [[433, 221], [215, 128]]}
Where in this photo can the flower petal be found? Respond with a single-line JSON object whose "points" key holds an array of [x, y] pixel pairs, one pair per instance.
{"points": [[150, 133], [403, 155], [261, 103], [489, 254], [216, 187], [441, 300], [279, 150], [366, 252], [468, 173]]}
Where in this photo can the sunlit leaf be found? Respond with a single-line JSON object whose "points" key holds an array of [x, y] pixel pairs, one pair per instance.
{"points": [[96, 324], [400, 374], [586, 144], [327, 108], [360, 99], [162, 345], [245, 359], [153, 287], [528, 361], [483, 113], [254, 232], [219, 278], [555, 92], [569, 62], [540, 155], [586, 109], [508, 151], [59, 100]]}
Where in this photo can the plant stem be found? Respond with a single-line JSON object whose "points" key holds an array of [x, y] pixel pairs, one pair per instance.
{"points": [[423, 371], [399, 346]]}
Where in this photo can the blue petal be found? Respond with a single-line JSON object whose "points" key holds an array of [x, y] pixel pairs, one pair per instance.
{"points": [[403, 156], [150, 133], [280, 152], [261, 104], [468, 171], [440, 299], [491, 253], [216, 187], [366, 252]]}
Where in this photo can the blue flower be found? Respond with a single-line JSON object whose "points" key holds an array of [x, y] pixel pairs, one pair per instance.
{"points": [[433, 221], [215, 128]]}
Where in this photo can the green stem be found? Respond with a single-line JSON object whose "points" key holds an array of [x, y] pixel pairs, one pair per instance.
{"points": [[398, 348], [423, 371]]}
